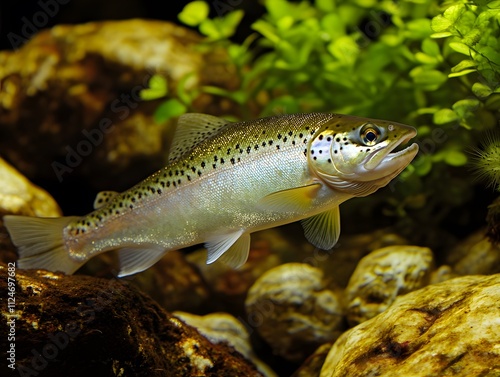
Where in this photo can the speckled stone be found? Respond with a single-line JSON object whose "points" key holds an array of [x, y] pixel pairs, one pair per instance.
{"points": [[447, 329], [224, 328], [383, 275], [83, 326], [294, 310]]}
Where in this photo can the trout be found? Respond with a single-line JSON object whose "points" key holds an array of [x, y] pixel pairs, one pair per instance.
{"points": [[223, 181]]}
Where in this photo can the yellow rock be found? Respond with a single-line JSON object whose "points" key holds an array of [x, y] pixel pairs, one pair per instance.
{"points": [[447, 329]]}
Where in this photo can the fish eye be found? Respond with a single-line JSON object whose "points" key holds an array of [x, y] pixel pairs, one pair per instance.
{"points": [[369, 134]]}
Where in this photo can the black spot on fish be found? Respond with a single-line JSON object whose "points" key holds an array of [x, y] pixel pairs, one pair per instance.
{"points": [[315, 158], [221, 160], [329, 160], [203, 164], [270, 142], [279, 136], [285, 139], [312, 151], [321, 137], [290, 133], [214, 166], [232, 161], [337, 139], [159, 191]]}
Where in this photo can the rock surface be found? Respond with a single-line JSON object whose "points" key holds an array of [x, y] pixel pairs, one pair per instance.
{"points": [[70, 105], [84, 326], [447, 329], [383, 275], [476, 254], [224, 328], [294, 310], [19, 196]]}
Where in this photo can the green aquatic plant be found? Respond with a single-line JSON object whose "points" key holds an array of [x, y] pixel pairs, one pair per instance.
{"points": [[432, 64], [486, 161]]}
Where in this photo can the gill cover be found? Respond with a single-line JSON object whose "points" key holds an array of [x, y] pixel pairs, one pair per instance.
{"points": [[353, 155]]}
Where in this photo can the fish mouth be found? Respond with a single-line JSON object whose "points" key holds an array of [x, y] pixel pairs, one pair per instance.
{"points": [[389, 155]]}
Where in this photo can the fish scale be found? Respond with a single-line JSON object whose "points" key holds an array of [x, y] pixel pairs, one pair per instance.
{"points": [[222, 182]]}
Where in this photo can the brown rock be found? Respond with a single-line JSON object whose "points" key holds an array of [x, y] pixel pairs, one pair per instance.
{"points": [[447, 329], [69, 102], [383, 275], [84, 326], [294, 310]]}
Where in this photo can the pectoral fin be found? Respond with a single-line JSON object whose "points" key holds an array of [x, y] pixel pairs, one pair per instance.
{"points": [[232, 249], [138, 258], [104, 197], [323, 230], [293, 200]]}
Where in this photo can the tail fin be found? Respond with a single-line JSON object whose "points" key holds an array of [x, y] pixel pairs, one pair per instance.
{"points": [[40, 243]]}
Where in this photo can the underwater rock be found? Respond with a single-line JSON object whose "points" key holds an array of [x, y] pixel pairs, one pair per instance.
{"points": [[84, 326], [447, 329], [475, 255], [19, 196], [294, 310], [340, 262], [224, 328], [228, 286], [383, 275], [313, 364], [70, 102]]}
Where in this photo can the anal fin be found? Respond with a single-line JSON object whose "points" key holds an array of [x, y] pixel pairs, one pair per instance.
{"points": [[231, 248], [135, 259]]}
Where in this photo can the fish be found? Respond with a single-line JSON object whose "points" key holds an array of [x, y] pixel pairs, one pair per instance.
{"points": [[223, 181]]}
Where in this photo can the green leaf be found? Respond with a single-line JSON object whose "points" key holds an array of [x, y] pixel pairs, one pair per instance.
{"points": [[419, 28], [481, 90], [461, 48], [440, 24], [194, 13], [423, 165], [169, 109], [455, 158], [326, 6], [221, 27], [444, 116], [427, 79], [431, 47], [157, 88], [464, 65]]}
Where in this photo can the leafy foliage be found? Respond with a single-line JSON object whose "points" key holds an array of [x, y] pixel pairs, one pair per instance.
{"points": [[431, 64]]}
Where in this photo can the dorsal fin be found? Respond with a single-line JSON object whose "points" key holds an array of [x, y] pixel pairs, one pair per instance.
{"points": [[104, 197], [192, 129]]}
